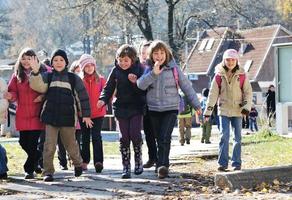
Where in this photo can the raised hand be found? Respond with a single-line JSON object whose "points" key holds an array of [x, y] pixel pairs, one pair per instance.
{"points": [[39, 98], [156, 68], [34, 63]]}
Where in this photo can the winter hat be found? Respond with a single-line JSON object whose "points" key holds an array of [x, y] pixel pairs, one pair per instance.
{"points": [[86, 59], [62, 53], [230, 53]]}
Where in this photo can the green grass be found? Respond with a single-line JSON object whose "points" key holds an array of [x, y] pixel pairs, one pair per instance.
{"points": [[266, 149], [16, 156]]}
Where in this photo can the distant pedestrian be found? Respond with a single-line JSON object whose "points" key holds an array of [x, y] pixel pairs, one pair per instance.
{"points": [[129, 106], [253, 114], [232, 89], [161, 80], [271, 104], [65, 95], [206, 125], [185, 115], [94, 84]]}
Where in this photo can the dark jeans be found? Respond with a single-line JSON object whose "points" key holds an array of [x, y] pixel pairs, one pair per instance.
{"points": [[28, 140], [130, 130], [163, 124], [96, 141], [150, 138]]}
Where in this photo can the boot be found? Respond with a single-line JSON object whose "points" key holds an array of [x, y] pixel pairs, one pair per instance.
{"points": [[138, 159], [126, 158]]}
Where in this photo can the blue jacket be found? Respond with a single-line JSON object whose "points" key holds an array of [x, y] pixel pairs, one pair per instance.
{"points": [[162, 91]]}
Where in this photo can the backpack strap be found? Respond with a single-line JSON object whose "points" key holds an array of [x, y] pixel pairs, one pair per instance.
{"points": [[218, 79], [175, 75], [71, 77], [241, 80]]}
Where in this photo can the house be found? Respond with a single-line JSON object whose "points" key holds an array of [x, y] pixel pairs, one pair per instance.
{"points": [[257, 57], [255, 49]]}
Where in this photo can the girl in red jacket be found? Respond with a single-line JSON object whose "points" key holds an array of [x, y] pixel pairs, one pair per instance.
{"points": [[29, 104], [94, 83]]}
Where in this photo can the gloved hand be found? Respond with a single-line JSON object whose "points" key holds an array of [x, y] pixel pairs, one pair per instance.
{"points": [[244, 111]]}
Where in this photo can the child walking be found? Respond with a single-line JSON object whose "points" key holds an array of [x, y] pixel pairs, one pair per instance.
{"points": [[29, 104], [129, 105], [161, 80], [149, 134], [231, 88], [59, 111], [206, 125], [94, 84]]}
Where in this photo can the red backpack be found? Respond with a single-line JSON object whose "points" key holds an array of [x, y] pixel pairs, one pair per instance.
{"points": [[218, 79]]}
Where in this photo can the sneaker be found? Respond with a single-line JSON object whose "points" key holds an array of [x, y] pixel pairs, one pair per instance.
{"points": [[98, 167], [48, 178], [84, 166], [149, 164], [64, 167], [222, 169], [162, 172], [237, 168], [29, 176], [202, 140], [207, 142], [188, 142], [78, 171]]}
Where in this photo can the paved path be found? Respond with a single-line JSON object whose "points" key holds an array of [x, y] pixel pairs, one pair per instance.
{"points": [[108, 184]]}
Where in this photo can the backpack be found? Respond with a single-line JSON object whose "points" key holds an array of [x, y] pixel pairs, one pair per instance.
{"points": [[184, 106], [3, 160], [218, 79]]}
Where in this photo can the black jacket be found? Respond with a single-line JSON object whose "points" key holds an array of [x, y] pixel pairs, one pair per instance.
{"points": [[130, 100]]}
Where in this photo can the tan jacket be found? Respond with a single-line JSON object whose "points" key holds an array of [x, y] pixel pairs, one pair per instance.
{"points": [[231, 98], [3, 102]]}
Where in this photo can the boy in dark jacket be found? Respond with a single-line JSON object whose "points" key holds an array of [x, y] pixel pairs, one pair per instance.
{"points": [[59, 111]]}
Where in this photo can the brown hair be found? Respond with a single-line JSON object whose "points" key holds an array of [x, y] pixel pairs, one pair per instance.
{"points": [[127, 50], [19, 69], [160, 45]]}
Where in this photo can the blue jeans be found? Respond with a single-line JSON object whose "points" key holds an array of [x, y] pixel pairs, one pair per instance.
{"points": [[236, 123], [253, 124]]}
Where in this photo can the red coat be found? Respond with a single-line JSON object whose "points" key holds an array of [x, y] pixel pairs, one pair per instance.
{"points": [[94, 89], [27, 112]]}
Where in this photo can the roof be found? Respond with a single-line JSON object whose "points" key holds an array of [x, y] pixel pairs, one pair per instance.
{"points": [[258, 42]]}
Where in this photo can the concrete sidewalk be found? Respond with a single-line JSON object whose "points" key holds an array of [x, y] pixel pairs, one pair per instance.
{"points": [[108, 184]]}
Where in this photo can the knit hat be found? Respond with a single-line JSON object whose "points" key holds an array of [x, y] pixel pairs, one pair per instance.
{"points": [[230, 53], [86, 59], [62, 53]]}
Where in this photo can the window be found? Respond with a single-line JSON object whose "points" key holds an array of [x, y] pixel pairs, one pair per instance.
{"points": [[203, 44], [210, 44], [247, 65]]}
